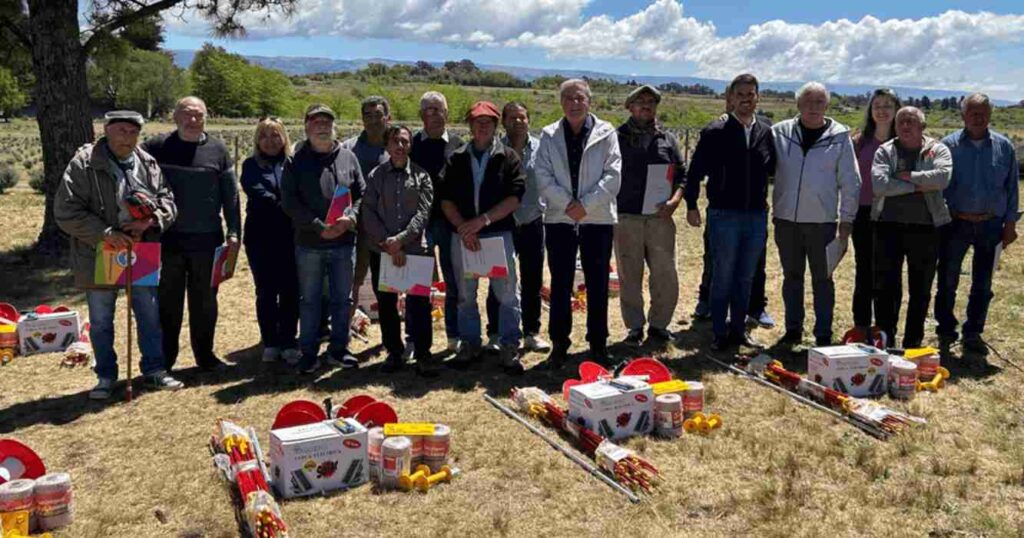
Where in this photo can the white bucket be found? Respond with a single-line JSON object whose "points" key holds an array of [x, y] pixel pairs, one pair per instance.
{"points": [[395, 455], [902, 378]]}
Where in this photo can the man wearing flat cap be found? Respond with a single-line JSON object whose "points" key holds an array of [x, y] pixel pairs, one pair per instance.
{"points": [[483, 183], [320, 171], [97, 202], [651, 189]]}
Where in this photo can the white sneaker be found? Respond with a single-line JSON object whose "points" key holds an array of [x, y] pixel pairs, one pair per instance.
{"points": [[453, 345], [161, 380], [291, 356], [102, 389], [493, 343], [536, 343], [271, 354]]}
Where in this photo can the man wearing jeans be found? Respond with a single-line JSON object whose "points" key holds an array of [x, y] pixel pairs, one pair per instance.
{"points": [[311, 179], [99, 201], [483, 184], [528, 236], [816, 184], [983, 199], [578, 172], [431, 148], [737, 155]]}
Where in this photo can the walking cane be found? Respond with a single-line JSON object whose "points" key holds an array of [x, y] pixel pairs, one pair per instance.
{"points": [[128, 298]]}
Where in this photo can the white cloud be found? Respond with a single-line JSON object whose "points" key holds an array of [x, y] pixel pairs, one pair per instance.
{"points": [[951, 50]]}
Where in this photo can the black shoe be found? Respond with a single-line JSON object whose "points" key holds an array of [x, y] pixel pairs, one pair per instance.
{"points": [[599, 354], [721, 343], [744, 339], [510, 362], [427, 367], [467, 356], [393, 363], [974, 345], [791, 338], [660, 335], [946, 342], [213, 365], [635, 338], [556, 359], [822, 342]]}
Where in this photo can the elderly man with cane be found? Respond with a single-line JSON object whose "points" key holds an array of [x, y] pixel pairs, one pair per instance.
{"points": [[102, 185]]}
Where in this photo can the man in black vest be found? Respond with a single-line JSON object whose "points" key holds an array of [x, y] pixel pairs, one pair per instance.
{"points": [[652, 187]]}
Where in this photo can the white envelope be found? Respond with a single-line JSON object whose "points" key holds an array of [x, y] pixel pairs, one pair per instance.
{"points": [[834, 253], [659, 187], [413, 278], [488, 262]]}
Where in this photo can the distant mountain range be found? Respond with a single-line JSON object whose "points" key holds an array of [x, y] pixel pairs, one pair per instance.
{"points": [[300, 65]]}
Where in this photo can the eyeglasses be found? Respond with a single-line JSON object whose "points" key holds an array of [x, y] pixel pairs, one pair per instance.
{"points": [[274, 119]]}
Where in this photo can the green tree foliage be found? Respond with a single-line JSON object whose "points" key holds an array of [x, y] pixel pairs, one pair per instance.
{"points": [[233, 87], [123, 76], [12, 98]]}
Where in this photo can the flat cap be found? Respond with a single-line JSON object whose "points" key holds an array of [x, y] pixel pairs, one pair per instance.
{"points": [[319, 108], [127, 116], [482, 109], [646, 88]]}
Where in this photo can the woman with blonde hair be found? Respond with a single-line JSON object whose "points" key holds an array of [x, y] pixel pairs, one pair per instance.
{"points": [[269, 242]]}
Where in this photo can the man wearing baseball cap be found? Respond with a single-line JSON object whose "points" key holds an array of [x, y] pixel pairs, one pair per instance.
{"points": [[115, 168], [323, 249], [646, 233], [483, 184]]}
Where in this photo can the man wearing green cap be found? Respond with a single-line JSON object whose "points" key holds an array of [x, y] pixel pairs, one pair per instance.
{"points": [[651, 189], [93, 204]]}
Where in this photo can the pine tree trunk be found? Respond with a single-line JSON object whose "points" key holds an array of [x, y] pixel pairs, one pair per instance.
{"points": [[62, 98]]}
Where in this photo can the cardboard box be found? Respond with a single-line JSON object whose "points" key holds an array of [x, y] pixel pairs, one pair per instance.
{"points": [[856, 369], [47, 333], [314, 458], [616, 409]]}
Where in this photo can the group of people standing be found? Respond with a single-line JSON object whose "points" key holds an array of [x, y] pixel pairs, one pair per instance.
{"points": [[904, 197], [574, 195]]}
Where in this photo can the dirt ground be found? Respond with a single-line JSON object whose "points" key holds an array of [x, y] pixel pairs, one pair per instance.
{"points": [[776, 468]]}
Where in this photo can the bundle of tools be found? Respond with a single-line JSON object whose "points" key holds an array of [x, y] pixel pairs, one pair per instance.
{"points": [[870, 416], [624, 465], [237, 454]]}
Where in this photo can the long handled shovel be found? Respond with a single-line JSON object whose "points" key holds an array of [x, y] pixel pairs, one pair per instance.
{"points": [[128, 298]]}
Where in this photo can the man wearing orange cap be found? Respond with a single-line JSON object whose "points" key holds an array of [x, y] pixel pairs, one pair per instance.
{"points": [[483, 184]]}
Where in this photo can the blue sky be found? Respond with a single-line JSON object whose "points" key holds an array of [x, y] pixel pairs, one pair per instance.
{"points": [[941, 48]]}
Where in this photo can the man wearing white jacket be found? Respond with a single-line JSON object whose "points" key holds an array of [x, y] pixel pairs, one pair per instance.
{"points": [[816, 183], [578, 173]]}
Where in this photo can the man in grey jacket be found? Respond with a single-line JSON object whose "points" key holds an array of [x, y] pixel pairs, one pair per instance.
{"points": [[93, 205], [578, 175], [816, 184], [908, 176]]}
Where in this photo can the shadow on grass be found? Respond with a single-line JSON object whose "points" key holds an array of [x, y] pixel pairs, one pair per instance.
{"points": [[30, 280]]}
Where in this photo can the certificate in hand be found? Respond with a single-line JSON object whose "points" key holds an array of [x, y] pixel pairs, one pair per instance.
{"points": [[659, 187], [413, 278], [488, 262]]}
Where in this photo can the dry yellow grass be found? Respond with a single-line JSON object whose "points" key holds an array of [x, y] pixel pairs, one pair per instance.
{"points": [[775, 469]]}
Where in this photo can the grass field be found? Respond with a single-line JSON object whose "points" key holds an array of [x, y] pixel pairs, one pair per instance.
{"points": [[775, 469]]}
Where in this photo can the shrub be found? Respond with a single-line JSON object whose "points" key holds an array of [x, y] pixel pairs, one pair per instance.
{"points": [[8, 178], [37, 181]]}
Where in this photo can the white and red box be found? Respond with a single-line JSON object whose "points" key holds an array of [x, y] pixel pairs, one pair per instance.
{"points": [[48, 333], [856, 369], [314, 458], [616, 409]]}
